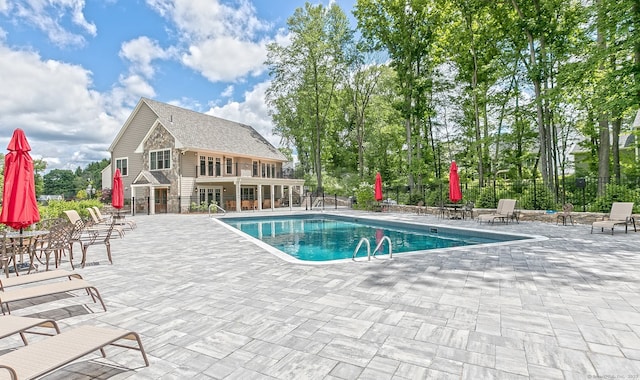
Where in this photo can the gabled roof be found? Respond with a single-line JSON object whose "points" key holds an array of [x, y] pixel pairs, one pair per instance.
{"points": [[197, 131], [151, 178]]}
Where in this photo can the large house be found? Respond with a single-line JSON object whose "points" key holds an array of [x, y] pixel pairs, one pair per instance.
{"points": [[173, 159]]}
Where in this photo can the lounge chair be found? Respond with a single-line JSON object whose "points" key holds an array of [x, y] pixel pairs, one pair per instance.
{"points": [[116, 218], [25, 293], [47, 355], [37, 277], [102, 222], [11, 324], [504, 212], [620, 214]]}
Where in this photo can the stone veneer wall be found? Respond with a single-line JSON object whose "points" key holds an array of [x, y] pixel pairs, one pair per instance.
{"points": [[161, 139]]}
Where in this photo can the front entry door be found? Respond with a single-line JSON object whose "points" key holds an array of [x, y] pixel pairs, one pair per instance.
{"points": [[160, 201]]}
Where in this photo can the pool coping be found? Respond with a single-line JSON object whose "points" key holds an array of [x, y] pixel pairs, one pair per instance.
{"points": [[525, 238]]}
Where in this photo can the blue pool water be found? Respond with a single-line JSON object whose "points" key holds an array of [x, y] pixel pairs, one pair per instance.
{"points": [[326, 237]]}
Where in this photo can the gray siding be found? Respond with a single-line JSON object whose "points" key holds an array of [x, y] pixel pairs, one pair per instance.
{"points": [[132, 137]]}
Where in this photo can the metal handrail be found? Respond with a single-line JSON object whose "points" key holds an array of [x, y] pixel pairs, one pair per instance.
{"points": [[380, 245], [218, 207], [365, 240]]}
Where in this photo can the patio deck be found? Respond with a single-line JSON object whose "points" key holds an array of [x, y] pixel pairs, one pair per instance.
{"points": [[211, 305]]}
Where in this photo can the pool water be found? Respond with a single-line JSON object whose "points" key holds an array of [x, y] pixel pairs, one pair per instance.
{"points": [[332, 237]]}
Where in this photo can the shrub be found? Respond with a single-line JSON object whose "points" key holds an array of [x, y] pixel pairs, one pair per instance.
{"points": [[364, 196], [615, 193]]}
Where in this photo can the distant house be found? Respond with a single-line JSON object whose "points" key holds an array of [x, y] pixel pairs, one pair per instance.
{"points": [[172, 158], [628, 154], [45, 198]]}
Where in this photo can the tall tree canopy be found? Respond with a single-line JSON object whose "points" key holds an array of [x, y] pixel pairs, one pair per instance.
{"points": [[306, 75]]}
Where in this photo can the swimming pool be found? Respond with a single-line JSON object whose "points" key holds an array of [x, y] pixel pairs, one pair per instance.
{"points": [[329, 237]]}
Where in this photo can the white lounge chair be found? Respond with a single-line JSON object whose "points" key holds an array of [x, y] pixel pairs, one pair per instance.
{"points": [[11, 324], [620, 214], [37, 277], [117, 218], [47, 355], [25, 293], [504, 212]]}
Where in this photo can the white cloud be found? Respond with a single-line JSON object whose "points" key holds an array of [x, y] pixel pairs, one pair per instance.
{"points": [[226, 59], [253, 111], [228, 92], [141, 52], [53, 103], [223, 43], [51, 18]]}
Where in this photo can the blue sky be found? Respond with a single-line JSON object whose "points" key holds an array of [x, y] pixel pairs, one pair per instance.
{"points": [[71, 71]]}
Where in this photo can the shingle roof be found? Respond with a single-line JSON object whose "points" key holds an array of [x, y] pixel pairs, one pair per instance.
{"points": [[197, 131]]}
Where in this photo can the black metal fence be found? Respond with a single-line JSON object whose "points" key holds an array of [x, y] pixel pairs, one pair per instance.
{"points": [[531, 194]]}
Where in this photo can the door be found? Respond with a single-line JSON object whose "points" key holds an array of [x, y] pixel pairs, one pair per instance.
{"points": [[209, 195], [160, 205]]}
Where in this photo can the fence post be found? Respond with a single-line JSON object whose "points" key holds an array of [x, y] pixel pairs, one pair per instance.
{"points": [[335, 199], [495, 194], [133, 204], [535, 197]]}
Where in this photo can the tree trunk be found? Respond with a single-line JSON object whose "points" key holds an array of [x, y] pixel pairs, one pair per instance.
{"points": [[603, 122]]}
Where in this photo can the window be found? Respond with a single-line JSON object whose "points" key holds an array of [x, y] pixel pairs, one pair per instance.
{"points": [[229, 164], [202, 167], [210, 166], [123, 165], [255, 168], [160, 159], [218, 167]]}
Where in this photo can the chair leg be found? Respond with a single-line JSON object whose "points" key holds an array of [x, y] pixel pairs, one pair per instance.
{"points": [[109, 252]]}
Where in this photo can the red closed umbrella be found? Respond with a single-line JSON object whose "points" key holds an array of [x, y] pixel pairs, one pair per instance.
{"points": [[19, 206], [455, 194], [117, 193], [378, 187]]}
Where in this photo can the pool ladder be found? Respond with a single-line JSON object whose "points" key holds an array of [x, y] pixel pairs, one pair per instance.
{"points": [[365, 240]]}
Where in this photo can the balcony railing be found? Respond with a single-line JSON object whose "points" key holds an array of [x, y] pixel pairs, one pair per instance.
{"points": [[243, 170]]}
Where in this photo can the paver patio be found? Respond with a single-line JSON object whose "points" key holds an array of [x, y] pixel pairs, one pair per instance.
{"points": [[209, 304]]}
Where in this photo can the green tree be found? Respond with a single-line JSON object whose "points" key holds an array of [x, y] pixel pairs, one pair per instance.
{"points": [[39, 166], [305, 76], [59, 181], [405, 31]]}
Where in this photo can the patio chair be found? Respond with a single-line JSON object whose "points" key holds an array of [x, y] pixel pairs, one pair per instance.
{"points": [[7, 253], [47, 355], [11, 324], [54, 243], [467, 210], [504, 212], [87, 236], [565, 215], [25, 293], [620, 214]]}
